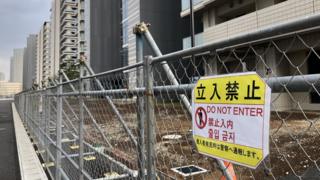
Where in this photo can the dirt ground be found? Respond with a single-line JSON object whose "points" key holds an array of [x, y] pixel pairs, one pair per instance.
{"points": [[294, 141]]}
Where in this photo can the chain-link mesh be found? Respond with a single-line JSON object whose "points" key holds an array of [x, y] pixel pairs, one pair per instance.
{"points": [[295, 110], [104, 117]]}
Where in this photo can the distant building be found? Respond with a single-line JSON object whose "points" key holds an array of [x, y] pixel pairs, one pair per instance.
{"points": [[9, 88], [2, 76], [16, 65], [44, 65], [30, 63]]}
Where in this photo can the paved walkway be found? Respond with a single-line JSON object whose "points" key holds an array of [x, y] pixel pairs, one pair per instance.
{"points": [[9, 163]]}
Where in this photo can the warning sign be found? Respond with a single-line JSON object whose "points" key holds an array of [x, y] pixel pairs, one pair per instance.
{"points": [[231, 115]]}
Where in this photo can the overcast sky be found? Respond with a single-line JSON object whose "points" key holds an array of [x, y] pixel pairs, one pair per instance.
{"points": [[18, 18]]}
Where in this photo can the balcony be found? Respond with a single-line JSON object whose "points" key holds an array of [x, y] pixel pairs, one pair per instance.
{"points": [[65, 3], [198, 40], [67, 39], [69, 14], [279, 13], [69, 18]]}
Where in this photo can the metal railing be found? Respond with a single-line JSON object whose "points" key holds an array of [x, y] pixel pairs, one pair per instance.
{"points": [[135, 122]]}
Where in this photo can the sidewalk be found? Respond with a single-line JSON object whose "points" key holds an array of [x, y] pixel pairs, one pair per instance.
{"points": [[9, 162]]}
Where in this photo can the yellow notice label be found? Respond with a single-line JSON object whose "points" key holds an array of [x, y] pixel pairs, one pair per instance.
{"points": [[231, 152], [241, 89]]}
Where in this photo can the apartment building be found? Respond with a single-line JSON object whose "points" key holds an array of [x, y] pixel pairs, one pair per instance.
{"points": [[44, 66], [64, 32], [30, 62], [222, 19], [16, 65]]}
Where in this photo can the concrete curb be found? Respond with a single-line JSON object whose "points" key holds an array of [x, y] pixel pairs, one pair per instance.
{"points": [[30, 165]]}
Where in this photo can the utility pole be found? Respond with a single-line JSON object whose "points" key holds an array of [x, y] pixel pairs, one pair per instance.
{"points": [[192, 23], [192, 37]]}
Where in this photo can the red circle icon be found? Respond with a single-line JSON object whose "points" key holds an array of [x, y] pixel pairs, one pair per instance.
{"points": [[201, 117]]}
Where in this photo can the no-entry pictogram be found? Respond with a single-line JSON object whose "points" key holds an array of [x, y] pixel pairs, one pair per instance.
{"points": [[201, 117]]}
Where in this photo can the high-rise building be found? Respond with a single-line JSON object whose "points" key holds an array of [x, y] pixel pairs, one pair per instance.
{"points": [[107, 28], [2, 76], [16, 65], [44, 65], [30, 62], [64, 32], [167, 27], [102, 32]]}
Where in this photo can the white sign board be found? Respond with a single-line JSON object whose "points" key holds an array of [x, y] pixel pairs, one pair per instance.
{"points": [[231, 115]]}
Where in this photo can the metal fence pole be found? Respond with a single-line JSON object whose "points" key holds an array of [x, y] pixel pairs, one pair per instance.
{"points": [[47, 122], [43, 120], [150, 119], [141, 110], [174, 81], [58, 131], [81, 120], [24, 110], [166, 68]]}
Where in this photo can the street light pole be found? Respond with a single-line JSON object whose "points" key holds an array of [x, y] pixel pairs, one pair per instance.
{"points": [[192, 35], [192, 23]]}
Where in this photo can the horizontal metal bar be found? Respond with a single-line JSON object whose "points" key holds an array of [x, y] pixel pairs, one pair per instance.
{"points": [[67, 82], [62, 170], [301, 83], [121, 176], [115, 70], [133, 173], [61, 150], [112, 160], [76, 155], [273, 30]]}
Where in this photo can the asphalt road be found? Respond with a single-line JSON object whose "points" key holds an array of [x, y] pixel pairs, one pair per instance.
{"points": [[9, 165]]}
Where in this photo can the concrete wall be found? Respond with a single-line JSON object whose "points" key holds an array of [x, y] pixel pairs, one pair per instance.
{"points": [[29, 62], [105, 33], [266, 16]]}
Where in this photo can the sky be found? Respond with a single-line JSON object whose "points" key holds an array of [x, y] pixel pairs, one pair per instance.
{"points": [[18, 19]]}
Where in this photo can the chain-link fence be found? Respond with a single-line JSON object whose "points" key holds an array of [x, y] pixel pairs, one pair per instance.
{"points": [[135, 122]]}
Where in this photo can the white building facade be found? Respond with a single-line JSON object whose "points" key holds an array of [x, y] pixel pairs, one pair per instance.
{"points": [[222, 20], [44, 64]]}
